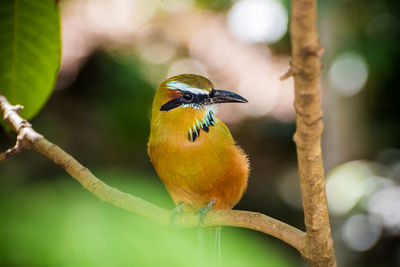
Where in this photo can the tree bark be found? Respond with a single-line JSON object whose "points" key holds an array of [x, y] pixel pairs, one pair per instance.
{"points": [[306, 70]]}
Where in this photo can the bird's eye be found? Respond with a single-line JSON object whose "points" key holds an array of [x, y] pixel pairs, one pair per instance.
{"points": [[187, 96]]}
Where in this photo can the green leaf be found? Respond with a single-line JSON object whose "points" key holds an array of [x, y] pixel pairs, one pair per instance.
{"points": [[30, 48]]}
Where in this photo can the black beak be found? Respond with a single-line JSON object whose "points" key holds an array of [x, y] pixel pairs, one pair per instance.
{"points": [[222, 96]]}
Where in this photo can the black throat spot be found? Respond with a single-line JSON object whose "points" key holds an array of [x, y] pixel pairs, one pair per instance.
{"points": [[193, 133]]}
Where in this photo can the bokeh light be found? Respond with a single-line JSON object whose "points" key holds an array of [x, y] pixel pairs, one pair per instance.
{"points": [[254, 21], [346, 185], [251, 70], [385, 205], [348, 74], [360, 232]]}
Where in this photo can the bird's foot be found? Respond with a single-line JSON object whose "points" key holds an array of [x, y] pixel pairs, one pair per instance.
{"points": [[203, 211], [177, 211]]}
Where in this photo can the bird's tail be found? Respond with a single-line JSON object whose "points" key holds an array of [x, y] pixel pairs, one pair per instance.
{"points": [[210, 246]]}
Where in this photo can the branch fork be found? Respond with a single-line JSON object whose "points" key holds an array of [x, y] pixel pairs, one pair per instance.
{"points": [[10, 115]]}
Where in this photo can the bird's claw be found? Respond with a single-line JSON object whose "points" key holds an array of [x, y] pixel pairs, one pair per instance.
{"points": [[203, 211], [177, 211]]}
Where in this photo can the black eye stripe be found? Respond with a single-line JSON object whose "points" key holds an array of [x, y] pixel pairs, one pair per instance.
{"points": [[174, 103], [186, 97]]}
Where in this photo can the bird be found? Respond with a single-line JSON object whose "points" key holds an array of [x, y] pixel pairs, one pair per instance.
{"points": [[191, 149]]}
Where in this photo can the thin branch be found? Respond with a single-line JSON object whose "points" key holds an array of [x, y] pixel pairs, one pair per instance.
{"points": [[236, 218], [306, 53]]}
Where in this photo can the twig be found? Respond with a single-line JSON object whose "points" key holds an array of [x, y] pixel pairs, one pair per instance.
{"points": [[236, 218], [288, 74], [293, 70]]}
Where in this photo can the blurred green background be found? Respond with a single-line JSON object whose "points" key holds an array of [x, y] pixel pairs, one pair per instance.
{"points": [[115, 53]]}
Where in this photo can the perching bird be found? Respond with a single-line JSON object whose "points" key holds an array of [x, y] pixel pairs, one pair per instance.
{"points": [[193, 151]]}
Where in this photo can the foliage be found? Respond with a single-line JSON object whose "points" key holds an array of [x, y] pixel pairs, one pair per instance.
{"points": [[30, 52]]}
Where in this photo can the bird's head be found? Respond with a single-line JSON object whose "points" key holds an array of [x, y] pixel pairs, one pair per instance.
{"points": [[189, 101]]}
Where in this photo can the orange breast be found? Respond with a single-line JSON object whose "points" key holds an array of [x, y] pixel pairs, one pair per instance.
{"points": [[212, 167]]}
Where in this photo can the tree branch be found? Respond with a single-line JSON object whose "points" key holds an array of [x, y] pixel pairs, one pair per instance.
{"points": [[236, 218], [306, 53]]}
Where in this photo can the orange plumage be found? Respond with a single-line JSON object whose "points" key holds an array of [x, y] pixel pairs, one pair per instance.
{"points": [[192, 151]]}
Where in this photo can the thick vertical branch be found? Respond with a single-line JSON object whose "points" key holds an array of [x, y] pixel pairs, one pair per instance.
{"points": [[306, 68]]}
